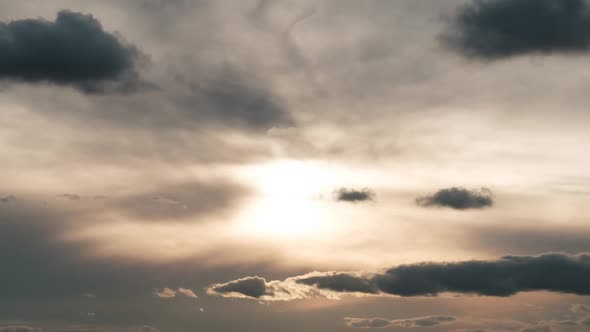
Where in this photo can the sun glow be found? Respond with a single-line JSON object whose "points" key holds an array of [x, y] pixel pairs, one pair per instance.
{"points": [[292, 199]]}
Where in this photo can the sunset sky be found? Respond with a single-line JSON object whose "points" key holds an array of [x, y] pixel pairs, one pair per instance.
{"points": [[294, 165]]}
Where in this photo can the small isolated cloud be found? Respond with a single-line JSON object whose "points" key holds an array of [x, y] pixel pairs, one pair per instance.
{"points": [[187, 292], [496, 29], [168, 293], [507, 276], [458, 198], [354, 195], [72, 50], [426, 321]]}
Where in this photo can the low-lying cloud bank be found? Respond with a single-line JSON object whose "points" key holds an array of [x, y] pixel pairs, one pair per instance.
{"points": [[555, 272], [458, 198], [426, 321]]}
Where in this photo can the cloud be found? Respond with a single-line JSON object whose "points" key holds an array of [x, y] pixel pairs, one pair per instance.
{"points": [[7, 199], [426, 321], [580, 309], [541, 328], [73, 50], [354, 195], [506, 276], [168, 293], [187, 292], [182, 201], [260, 289], [20, 328], [253, 287], [232, 98], [496, 29], [458, 198]]}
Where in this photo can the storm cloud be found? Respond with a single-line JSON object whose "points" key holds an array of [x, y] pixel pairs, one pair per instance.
{"points": [[407, 322], [495, 29], [506, 276], [458, 198], [73, 50]]}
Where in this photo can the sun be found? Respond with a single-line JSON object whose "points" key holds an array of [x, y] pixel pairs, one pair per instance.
{"points": [[292, 198]]}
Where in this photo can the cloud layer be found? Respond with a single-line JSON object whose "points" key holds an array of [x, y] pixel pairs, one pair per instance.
{"points": [[503, 277], [426, 321]]}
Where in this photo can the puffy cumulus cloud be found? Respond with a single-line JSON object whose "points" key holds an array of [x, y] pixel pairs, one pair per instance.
{"points": [[506, 276], [426, 321], [73, 50], [168, 293], [495, 29], [354, 195], [458, 198]]}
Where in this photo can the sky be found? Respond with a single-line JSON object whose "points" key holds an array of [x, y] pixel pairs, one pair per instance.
{"points": [[294, 166]]}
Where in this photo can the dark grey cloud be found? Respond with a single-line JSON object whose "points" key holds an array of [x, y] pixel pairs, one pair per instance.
{"points": [[254, 287], [507, 276], [426, 321], [232, 99], [73, 50], [495, 29], [354, 195], [458, 198]]}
